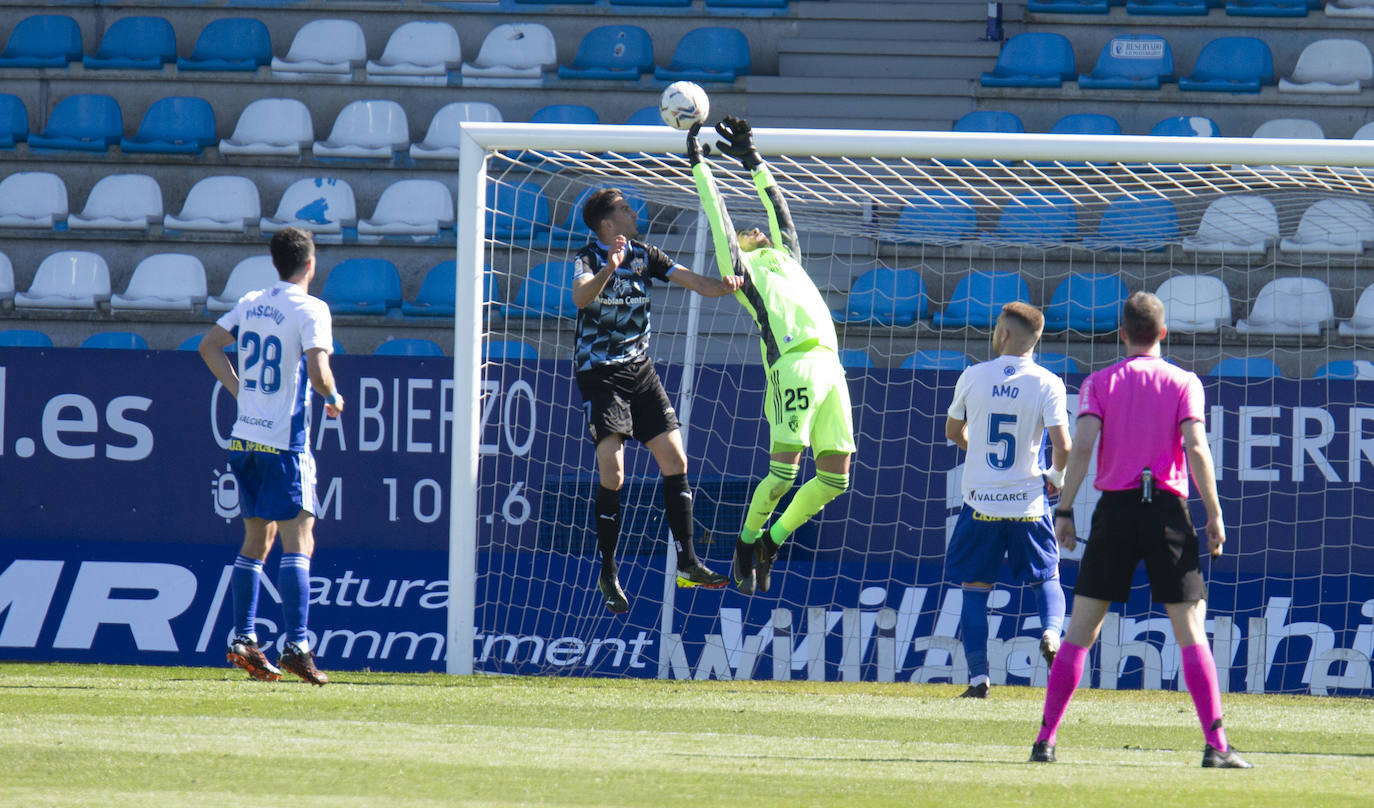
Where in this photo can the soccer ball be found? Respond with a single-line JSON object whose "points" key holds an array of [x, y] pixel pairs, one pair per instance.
{"points": [[684, 104]]}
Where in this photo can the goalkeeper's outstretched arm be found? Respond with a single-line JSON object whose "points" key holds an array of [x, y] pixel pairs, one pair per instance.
{"points": [[722, 230]]}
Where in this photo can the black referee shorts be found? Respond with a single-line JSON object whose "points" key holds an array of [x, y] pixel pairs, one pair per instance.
{"points": [[1126, 531], [626, 400]]}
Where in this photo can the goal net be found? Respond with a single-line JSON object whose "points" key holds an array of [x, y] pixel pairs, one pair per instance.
{"points": [[916, 239]]}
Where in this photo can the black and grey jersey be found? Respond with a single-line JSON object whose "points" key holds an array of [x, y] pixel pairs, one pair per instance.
{"points": [[614, 327]]}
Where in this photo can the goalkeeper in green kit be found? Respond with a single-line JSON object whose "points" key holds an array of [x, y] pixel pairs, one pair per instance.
{"points": [[807, 401]]}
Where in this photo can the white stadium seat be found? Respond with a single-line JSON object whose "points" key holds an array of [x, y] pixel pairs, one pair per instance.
{"points": [[441, 141], [1290, 128], [120, 202], [32, 199], [1195, 304], [70, 279], [226, 204], [322, 205], [1361, 323], [513, 55], [416, 208], [1332, 226], [418, 53], [365, 129], [1330, 66], [164, 282], [271, 126], [1236, 224], [323, 50], [6, 279], [1290, 306], [248, 275]]}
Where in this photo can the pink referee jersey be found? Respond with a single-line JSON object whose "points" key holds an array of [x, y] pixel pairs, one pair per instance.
{"points": [[1142, 401]]}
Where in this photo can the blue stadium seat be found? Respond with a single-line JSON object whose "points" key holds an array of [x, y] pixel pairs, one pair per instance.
{"points": [[658, 3], [14, 121], [120, 340], [240, 44], [1335, 369], [84, 122], [1247, 367], [174, 125], [1267, 8], [936, 359], [1144, 223], [612, 52], [43, 40], [409, 347], [884, 296], [565, 113], [1035, 59], [1063, 364], [508, 350], [1131, 62], [855, 358], [941, 216], [1171, 8], [646, 116], [1231, 64], [516, 212], [1087, 302], [706, 55], [135, 43], [1037, 219], [978, 299], [574, 232], [989, 120], [362, 286], [1086, 123], [439, 290], [1067, 6], [1186, 126], [24, 338], [555, 2], [746, 3], [545, 293]]}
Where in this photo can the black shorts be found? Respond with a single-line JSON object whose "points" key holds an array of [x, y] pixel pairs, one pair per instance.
{"points": [[626, 400], [1126, 531]]}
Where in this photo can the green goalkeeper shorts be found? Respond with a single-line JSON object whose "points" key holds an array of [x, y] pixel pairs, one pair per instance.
{"points": [[807, 402]]}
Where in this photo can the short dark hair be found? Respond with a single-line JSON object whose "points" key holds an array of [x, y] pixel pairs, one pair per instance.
{"points": [[1025, 315], [1142, 319], [291, 249], [599, 206]]}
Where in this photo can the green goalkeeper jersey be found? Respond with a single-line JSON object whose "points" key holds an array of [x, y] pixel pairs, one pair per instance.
{"points": [[784, 301]]}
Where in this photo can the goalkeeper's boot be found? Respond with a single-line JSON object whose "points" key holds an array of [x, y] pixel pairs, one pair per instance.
{"points": [[744, 566], [697, 574], [615, 598], [302, 663], [1212, 759], [768, 553], [1042, 752], [1049, 647], [244, 653]]}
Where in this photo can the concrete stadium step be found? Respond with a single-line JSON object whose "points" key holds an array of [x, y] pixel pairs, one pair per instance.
{"points": [[790, 101], [890, 58]]}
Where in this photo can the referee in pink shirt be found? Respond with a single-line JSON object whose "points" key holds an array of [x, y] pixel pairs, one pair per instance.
{"points": [[1148, 415]]}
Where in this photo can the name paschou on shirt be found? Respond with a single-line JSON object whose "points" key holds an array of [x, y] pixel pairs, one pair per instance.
{"points": [[276, 326], [614, 328], [1007, 403]]}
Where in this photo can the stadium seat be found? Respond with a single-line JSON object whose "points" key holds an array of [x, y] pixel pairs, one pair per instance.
{"points": [[24, 338], [1067, 6], [1086, 123], [508, 350], [656, 3], [367, 129], [516, 213], [164, 282], [120, 202], [33, 199], [174, 125], [1242, 223], [646, 116], [224, 204], [83, 122], [1365, 132], [1332, 227], [70, 279], [1136, 223], [1349, 8], [1330, 66], [978, 299], [441, 141], [1195, 304], [513, 55], [6, 279], [271, 127], [1088, 302], [438, 291], [1171, 8], [1361, 322], [417, 209], [988, 120], [322, 205], [43, 40], [362, 286], [1186, 126], [409, 347], [419, 52], [1266, 8], [135, 43], [545, 293], [1131, 62], [1356, 369], [884, 296], [855, 358], [1063, 364], [710, 54], [323, 50], [565, 113], [1290, 128], [1034, 59], [1246, 367], [1231, 64], [237, 44], [746, 4], [936, 359], [1037, 219], [248, 275], [1290, 306], [574, 232], [939, 216], [116, 340], [14, 121], [612, 52]]}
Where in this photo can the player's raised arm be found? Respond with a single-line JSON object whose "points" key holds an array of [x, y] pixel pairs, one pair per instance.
{"points": [[739, 143], [722, 230]]}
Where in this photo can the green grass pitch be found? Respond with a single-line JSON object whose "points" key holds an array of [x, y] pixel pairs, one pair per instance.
{"points": [[82, 735]]}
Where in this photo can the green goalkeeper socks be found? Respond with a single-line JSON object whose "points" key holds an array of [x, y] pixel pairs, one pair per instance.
{"points": [[809, 500], [769, 491]]}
